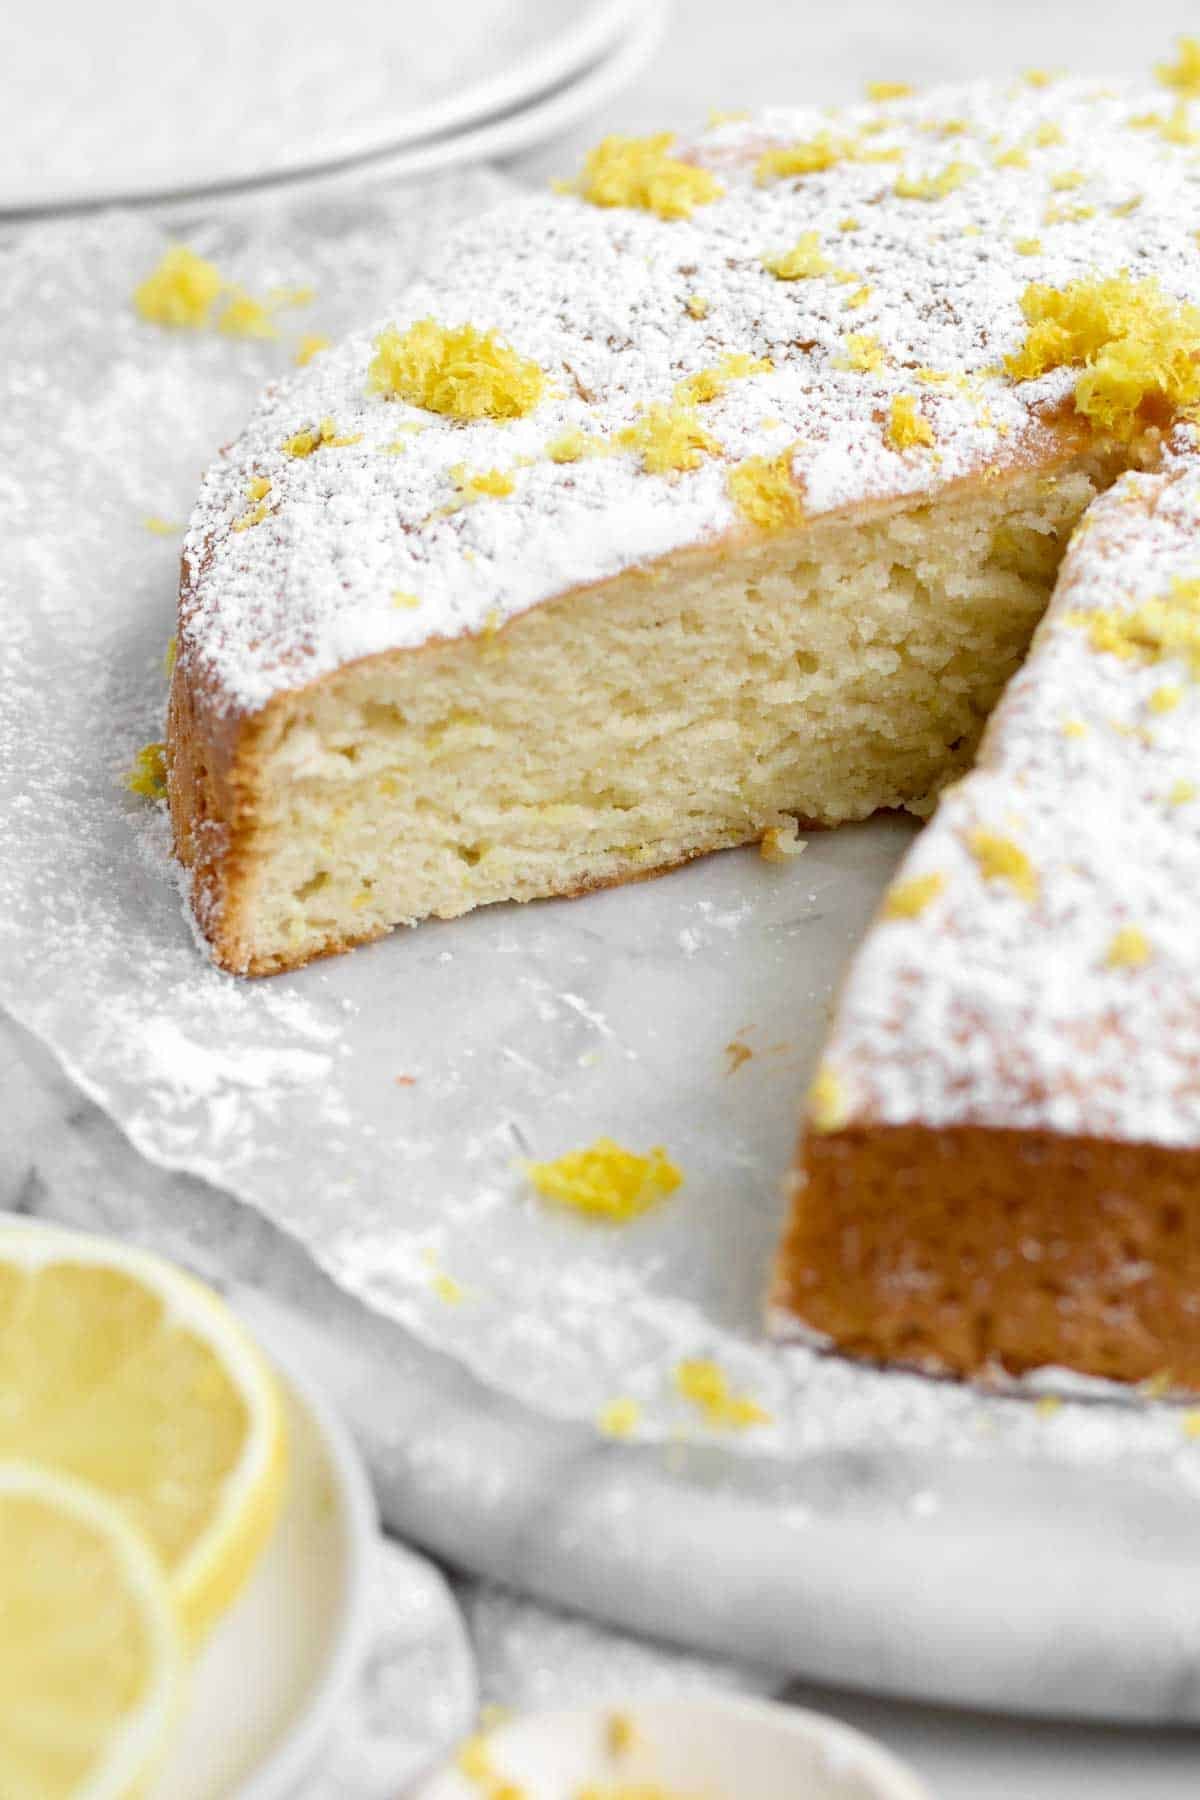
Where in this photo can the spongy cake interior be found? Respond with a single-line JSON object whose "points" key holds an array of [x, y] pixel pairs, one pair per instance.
{"points": [[821, 674]]}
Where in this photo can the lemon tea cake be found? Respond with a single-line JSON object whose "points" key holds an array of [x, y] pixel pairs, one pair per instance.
{"points": [[723, 489]]}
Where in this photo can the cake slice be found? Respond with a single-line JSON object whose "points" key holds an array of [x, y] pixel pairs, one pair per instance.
{"points": [[1001, 1166]]}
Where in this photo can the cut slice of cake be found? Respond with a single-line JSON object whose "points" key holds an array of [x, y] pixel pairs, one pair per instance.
{"points": [[1002, 1161]]}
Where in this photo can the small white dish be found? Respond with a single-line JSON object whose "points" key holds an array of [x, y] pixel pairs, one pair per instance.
{"points": [[272, 1678], [707, 1748]]}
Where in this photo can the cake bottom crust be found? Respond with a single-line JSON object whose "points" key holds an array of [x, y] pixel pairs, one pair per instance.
{"points": [[967, 1250]]}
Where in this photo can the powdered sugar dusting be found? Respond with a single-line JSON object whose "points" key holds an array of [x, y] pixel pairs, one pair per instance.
{"points": [[999, 1009], [600, 300]]}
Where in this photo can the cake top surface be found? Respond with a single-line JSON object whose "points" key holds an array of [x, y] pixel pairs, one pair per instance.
{"points": [[790, 314], [1036, 964]]}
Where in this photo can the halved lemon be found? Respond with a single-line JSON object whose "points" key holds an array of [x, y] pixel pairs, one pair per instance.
{"points": [[91, 1650], [120, 1370]]}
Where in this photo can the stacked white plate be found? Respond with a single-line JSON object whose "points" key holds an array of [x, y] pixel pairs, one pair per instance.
{"points": [[134, 102]]}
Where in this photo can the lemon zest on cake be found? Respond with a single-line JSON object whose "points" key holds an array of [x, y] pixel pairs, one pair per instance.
{"points": [[668, 438], [764, 492], [258, 487], [827, 1107], [697, 305], [310, 345], [1001, 859], [889, 90], [317, 437], [1058, 214], [1067, 179], [1027, 246], [858, 298], [568, 447], [1129, 949], [933, 187], [849, 224], [1135, 345], [607, 1181], [641, 172], [403, 599], [1182, 792], [1184, 73], [705, 1384], [907, 427], [1015, 157], [476, 484], [1165, 699], [808, 156], [863, 353], [803, 261], [1074, 728], [709, 384], [456, 370], [1046, 134], [909, 899], [148, 775], [1168, 626], [619, 1418]]}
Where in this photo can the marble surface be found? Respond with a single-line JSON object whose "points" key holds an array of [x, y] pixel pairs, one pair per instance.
{"points": [[492, 1485]]}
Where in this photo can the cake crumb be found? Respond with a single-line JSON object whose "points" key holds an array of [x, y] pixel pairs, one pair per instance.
{"points": [[782, 843]]}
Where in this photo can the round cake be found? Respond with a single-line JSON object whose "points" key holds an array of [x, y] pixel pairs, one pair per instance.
{"points": [[723, 491]]}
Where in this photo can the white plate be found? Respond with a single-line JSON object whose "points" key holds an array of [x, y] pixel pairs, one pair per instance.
{"points": [[545, 118], [276, 1672], [134, 99], [739, 1749]]}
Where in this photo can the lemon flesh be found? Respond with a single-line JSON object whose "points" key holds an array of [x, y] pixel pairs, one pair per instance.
{"points": [[121, 1371], [91, 1653]]}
